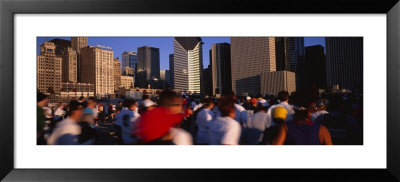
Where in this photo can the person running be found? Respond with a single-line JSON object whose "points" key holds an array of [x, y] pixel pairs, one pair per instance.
{"points": [[279, 115], [91, 109], [154, 126], [42, 101], [256, 126], [283, 97], [203, 120], [303, 131], [126, 120], [224, 130], [67, 131]]}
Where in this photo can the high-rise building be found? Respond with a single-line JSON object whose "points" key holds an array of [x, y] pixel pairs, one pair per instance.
{"points": [[69, 66], [188, 63], [98, 66], [220, 61], [117, 73], [129, 59], [344, 61], [164, 79], [250, 56], [207, 83], [69, 60], [148, 67], [77, 43], [49, 69], [61, 45], [274, 82], [312, 69], [171, 71], [288, 49]]}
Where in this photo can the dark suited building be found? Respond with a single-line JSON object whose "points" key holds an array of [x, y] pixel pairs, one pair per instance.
{"points": [[148, 68], [288, 50], [61, 45], [207, 83], [220, 61], [344, 62], [312, 68]]}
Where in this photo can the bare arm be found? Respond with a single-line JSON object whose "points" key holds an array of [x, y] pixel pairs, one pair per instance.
{"points": [[324, 136], [281, 137]]}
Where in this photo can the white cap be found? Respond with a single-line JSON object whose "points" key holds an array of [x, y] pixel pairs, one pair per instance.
{"points": [[248, 98], [148, 103]]}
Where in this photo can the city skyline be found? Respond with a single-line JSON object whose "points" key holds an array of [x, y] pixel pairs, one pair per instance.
{"points": [[165, 44]]}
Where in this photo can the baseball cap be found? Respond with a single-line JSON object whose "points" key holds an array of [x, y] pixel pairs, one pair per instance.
{"points": [[279, 113], [253, 100], [148, 103], [248, 98]]}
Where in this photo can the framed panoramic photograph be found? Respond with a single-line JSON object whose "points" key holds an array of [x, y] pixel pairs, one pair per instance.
{"points": [[134, 90]]}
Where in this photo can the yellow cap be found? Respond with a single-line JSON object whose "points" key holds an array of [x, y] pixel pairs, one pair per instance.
{"points": [[279, 113]]}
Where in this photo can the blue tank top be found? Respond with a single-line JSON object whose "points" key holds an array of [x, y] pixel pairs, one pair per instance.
{"points": [[302, 134]]}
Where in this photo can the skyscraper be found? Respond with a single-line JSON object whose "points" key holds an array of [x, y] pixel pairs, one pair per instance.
{"points": [[273, 82], [220, 61], [117, 73], [188, 63], [69, 66], [207, 83], [148, 67], [49, 69], [98, 66], [250, 56], [77, 43], [288, 50], [129, 59], [171, 71], [69, 60], [164, 79], [344, 61], [312, 69]]}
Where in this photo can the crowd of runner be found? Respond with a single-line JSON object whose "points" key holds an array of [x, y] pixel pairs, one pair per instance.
{"points": [[172, 119]]}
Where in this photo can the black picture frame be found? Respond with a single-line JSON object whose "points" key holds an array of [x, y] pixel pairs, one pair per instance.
{"points": [[9, 8]]}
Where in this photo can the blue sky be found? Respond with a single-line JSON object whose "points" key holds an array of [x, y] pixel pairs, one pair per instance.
{"points": [[121, 44]]}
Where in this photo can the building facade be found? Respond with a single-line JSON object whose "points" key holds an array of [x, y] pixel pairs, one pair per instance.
{"points": [[127, 71], [220, 61], [127, 82], [171, 71], [273, 82], [69, 65], [288, 50], [249, 57], [188, 63], [129, 59], [48, 69], [98, 66], [77, 43], [311, 71], [148, 67], [344, 61], [117, 74], [77, 87]]}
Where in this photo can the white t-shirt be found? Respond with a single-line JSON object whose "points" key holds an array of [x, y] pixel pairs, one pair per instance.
{"points": [[240, 114], [203, 120], [318, 116], [127, 128], [256, 127], [181, 137], [224, 131], [66, 126], [287, 106]]}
